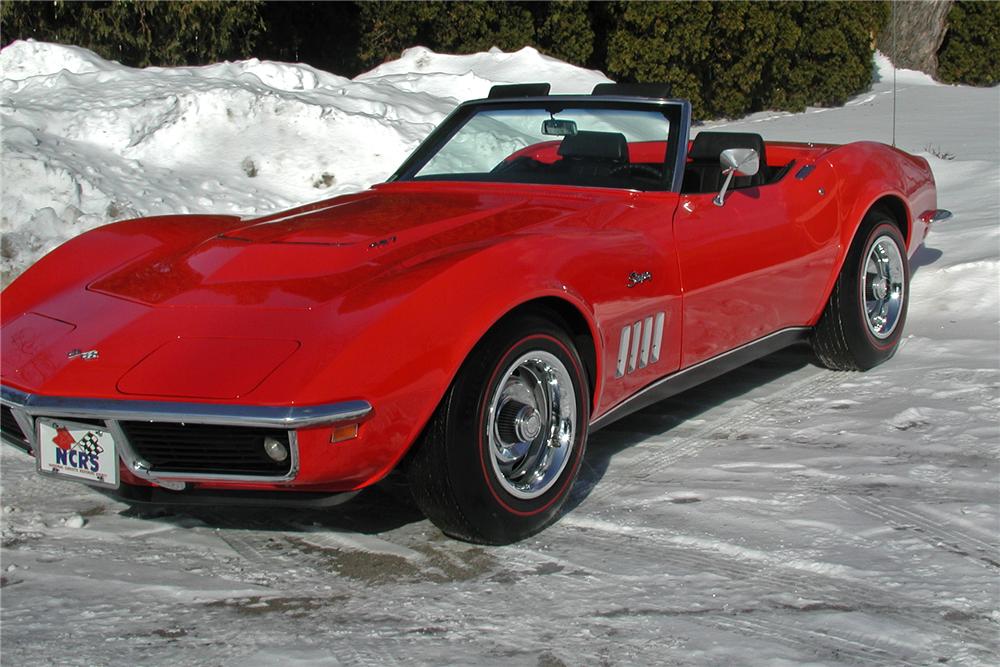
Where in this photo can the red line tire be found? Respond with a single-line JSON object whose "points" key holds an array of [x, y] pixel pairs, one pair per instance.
{"points": [[501, 453], [863, 321]]}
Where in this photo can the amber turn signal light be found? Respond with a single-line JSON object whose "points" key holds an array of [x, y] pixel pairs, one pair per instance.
{"points": [[345, 432]]}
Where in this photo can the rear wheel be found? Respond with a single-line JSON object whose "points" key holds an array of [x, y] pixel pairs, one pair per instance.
{"points": [[500, 455], [863, 322]]}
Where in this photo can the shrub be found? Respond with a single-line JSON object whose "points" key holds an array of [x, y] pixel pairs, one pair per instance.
{"points": [[453, 27], [732, 58], [141, 32], [565, 30], [970, 52]]}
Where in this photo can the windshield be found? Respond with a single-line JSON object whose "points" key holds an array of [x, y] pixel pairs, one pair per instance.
{"points": [[590, 146]]}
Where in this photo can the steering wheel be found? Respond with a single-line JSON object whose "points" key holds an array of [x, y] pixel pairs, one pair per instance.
{"points": [[642, 169]]}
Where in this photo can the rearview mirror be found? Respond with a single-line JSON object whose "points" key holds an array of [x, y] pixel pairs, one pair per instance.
{"points": [[558, 128], [739, 162]]}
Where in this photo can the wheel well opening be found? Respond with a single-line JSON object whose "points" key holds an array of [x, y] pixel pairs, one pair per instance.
{"points": [[895, 209], [573, 322]]}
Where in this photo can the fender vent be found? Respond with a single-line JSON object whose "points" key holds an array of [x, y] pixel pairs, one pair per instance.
{"points": [[640, 344]]}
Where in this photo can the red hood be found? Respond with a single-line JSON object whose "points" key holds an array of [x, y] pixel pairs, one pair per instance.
{"points": [[310, 255]]}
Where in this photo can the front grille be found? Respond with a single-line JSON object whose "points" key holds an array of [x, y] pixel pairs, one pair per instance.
{"points": [[9, 426], [207, 449]]}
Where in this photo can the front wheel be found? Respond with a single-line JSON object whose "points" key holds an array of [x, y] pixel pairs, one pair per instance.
{"points": [[500, 454], [863, 321]]}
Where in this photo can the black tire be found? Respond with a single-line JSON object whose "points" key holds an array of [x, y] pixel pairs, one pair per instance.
{"points": [[863, 321], [459, 473]]}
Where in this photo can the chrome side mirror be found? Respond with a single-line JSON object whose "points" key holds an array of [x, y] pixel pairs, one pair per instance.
{"points": [[738, 161]]}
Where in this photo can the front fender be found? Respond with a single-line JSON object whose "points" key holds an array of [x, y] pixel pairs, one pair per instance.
{"points": [[399, 341], [79, 261]]}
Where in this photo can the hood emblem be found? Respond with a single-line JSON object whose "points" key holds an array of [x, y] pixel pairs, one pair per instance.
{"points": [[86, 356], [636, 278]]}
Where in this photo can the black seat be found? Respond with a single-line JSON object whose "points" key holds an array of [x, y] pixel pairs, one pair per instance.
{"points": [[592, 154], [703, 172]]}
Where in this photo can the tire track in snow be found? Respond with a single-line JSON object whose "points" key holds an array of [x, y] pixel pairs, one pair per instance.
{"points": [[781, 575], [376, 655], [845, 646], [926, 529], [655, 456]]}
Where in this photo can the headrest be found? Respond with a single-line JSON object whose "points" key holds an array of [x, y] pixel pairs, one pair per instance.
{"points": [[655, 90], [708, 145], [520, 90], [599, 145]]}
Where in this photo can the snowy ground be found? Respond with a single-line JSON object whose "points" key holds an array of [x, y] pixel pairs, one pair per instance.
{"points": [[782, 515]]}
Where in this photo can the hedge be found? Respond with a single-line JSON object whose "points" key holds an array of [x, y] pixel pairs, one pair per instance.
{"points": [[729, 58], [970, 52], [733, 58], [141, 32]]}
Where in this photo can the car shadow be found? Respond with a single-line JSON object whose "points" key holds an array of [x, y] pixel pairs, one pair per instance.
{"points": [[663, 417], [387, 506], [378, 509], [924, 256]]}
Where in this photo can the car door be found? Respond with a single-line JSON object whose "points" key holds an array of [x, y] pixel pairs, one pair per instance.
{"points": [[636, 291], [758, 264]]}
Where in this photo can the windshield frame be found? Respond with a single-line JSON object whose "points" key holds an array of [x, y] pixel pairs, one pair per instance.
{"points": [[677, 113]]}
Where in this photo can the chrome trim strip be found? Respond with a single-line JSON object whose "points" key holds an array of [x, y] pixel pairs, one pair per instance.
{"points": [[701, 372], [222, 414]]}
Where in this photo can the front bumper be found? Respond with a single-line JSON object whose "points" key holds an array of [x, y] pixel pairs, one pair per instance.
{"points": [[20, 410]]}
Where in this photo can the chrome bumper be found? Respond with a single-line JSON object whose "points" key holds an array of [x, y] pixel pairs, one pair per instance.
{"points": [[26, 407], [937, 215]]}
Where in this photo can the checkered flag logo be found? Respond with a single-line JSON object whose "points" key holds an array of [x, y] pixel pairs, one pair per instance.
{"points": [[88, 444]]}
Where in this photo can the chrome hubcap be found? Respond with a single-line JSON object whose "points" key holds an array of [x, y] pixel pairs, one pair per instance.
{"points": [[883, 287], [531, 424]]}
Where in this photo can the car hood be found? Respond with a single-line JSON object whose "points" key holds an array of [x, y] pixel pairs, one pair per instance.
{"points": [[310, 255]]}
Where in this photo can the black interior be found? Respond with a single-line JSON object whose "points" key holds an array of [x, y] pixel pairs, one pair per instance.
{"points": [[594, 159], [703, 172], [588, 155]]}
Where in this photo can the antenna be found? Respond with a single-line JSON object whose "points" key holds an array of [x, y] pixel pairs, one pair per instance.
{"points": [[892, 24]]}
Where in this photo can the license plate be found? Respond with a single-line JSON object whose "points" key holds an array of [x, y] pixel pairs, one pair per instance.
{"points": [[77, 451]]}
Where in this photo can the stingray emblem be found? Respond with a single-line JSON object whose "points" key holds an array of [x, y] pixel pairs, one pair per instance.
{"points": [[86, 356], [381, 243], [636, 278]]}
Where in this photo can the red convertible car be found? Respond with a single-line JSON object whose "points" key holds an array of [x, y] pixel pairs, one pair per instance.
{"points": [[541, 266]]}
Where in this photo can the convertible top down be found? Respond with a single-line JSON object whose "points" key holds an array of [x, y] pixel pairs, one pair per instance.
{"points": [[541, 266]]}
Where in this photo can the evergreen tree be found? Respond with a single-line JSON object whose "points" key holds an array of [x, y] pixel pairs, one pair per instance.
{"points": [[971, 49]]}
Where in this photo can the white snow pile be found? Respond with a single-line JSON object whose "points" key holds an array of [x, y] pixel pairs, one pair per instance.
{"points": [[87, 141]]}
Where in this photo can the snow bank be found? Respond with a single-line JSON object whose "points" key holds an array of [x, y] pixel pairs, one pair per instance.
{"points": [[87, 141]]}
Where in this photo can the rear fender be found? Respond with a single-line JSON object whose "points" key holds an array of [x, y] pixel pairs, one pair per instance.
{"points": [[872, 175]]}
